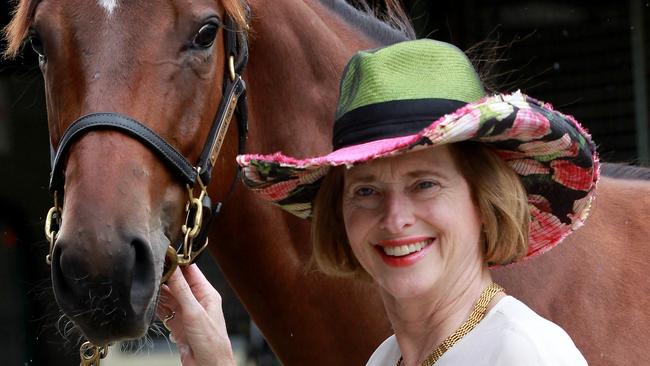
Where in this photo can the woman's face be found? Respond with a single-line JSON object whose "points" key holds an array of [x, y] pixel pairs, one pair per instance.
{"points": [[411, 222]]}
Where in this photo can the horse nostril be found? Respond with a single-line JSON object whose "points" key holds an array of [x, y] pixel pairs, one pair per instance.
{"points": [[72, 274], [58, 278], [142, 284]]}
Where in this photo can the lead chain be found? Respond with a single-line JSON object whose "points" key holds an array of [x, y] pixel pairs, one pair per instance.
{"points": [[52, 226], [92, 355]]}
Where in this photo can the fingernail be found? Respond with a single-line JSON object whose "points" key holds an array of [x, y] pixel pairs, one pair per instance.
{"points": [[171, 337]]}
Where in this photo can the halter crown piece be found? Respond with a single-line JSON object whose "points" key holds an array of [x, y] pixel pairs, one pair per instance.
{"points": [[199, 208]]}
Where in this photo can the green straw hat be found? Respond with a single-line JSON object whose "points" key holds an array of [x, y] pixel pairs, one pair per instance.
{"points": [[424, 93]]}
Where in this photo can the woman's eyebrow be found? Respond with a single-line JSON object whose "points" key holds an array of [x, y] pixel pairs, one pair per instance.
{"points": [[424, 173], [362, 178], [369, 177]]}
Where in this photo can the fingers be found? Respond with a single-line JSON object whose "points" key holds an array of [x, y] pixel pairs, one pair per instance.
{"points": [[166, 312], [202, 289], [194, 294], [167, 303], [194, 275], [181, 291], [198, 326]]}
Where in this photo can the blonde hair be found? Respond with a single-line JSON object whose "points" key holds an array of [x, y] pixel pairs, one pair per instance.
{"points": [[501, 199], [496, 190]]}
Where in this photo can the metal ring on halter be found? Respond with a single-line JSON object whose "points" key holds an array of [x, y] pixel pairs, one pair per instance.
{"points": [[171, 262], [51, 238], [168, 318], [53, 218], [91, 355], [231, 67]]}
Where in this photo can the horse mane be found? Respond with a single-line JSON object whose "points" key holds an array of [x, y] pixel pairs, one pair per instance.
{"points": [[388, 27], [623, 171], [22, 16], [16, 31], [237, 10]]}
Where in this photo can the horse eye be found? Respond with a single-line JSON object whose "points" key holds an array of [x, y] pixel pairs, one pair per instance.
{"points": [[37, 45], [206, 36]]}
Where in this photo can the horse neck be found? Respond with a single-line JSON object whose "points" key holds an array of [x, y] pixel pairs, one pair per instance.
{"points": [[297, 52], [627, 201]]}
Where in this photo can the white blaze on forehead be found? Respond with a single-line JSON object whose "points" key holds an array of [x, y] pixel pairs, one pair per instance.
{"points": [[109, 5]]}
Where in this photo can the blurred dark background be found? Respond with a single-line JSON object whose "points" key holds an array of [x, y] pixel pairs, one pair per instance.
{"points": [[589, 58]]}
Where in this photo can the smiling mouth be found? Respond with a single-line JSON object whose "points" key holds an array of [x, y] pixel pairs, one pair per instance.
{"points": [[406, 249]]}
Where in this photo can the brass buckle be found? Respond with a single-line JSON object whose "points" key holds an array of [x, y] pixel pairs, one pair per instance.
{"points": [[92, 355]]}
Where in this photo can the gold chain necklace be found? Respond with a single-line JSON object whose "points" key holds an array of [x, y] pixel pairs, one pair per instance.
{"points": [[474, 318]]}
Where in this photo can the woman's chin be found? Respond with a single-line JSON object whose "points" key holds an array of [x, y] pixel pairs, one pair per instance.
{"points": [[409, 284]]}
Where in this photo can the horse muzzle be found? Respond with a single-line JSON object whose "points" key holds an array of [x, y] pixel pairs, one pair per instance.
{"points": [[109, 294]]}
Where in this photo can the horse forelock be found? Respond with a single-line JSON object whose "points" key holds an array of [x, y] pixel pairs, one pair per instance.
{"points": [[16, 31], [236, 10]]}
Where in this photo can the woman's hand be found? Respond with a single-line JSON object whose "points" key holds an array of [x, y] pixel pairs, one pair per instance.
{"points": [[198, 326]]}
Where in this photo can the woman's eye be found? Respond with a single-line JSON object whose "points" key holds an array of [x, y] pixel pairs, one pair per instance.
{"points": [[426, 184], [364, 192], [206, 36]]}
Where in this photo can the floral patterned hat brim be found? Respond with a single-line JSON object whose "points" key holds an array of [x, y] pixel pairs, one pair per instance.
{"points": [[554, 156]]}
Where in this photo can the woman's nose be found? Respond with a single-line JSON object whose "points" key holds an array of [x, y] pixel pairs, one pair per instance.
{"points": [[398, 213]]}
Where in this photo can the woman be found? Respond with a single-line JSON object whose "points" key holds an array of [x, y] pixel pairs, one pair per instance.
{"points": [[430, 183]]}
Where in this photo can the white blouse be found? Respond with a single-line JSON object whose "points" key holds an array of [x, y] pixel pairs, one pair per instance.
{"points": [[511, 334]]}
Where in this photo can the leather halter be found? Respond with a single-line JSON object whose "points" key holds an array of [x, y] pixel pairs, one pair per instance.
{"points": [[200, 210]]}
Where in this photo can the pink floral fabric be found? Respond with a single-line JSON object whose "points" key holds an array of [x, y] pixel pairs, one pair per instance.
{"points": [[554, 156]]}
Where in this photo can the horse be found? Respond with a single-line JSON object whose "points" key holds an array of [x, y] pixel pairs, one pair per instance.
{"points": [[164, 63]]}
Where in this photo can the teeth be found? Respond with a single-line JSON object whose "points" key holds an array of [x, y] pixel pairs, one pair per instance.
{"points": [[403, 250]]}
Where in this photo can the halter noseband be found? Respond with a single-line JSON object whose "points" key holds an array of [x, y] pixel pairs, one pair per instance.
{"points": [[199, 209]]}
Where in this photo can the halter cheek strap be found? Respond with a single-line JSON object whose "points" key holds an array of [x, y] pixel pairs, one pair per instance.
{"points": [[200, 210]]}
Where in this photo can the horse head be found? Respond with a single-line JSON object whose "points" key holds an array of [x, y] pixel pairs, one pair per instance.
{"points": [[161, 65]]}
